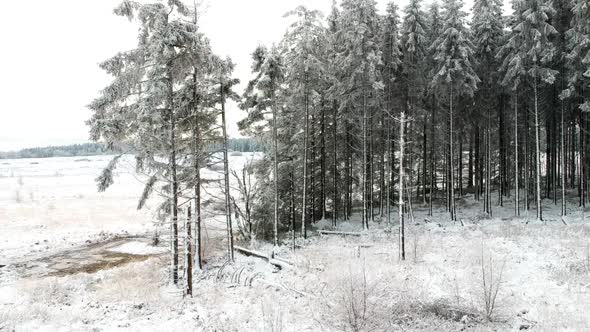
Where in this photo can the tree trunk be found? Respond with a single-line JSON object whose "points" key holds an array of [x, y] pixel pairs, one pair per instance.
{"points": [[366, 164], [304, 199], [402, 230], [292, 207], [562, 161], [230, 237], [424, 161], [323, 195], [189, 257], [197, 169], [538, 152], [516, 169], [432, 157], [335, 167], [477, 163], [276, 172], [173, 179], [452, 184]]}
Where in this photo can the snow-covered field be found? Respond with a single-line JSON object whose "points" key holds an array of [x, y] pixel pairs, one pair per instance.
{"points": [[75, 259]]}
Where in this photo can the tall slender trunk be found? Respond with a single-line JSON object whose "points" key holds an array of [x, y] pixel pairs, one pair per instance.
{"points": [[527, 165], [275, 170], [460, 167], [197, 169], [477, 163], [382, 168], [424, 160], [189, 250], [516, 169], [312, 168], [432, 157], [452, 184], [562, 159], [402, 234], [366, 164], [323, 195], [292, 207], [230, 237], [173, 179], [389, 166], [489, 165], [537, 151], [304, 198], [335, 167], [502, 150], [196, 161]]}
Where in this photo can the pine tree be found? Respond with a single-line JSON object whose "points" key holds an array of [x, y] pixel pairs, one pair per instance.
{"points": [[454, 52]]}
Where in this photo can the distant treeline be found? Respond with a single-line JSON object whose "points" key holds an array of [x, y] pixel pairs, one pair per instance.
{"points": [[86, 149], [94, 149], [241, 145]]}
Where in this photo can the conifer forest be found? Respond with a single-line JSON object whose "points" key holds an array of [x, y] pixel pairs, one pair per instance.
{"points": [[419, 165]]}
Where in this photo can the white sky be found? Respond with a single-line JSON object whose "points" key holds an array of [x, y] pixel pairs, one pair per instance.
{"points": [[50, 51]]}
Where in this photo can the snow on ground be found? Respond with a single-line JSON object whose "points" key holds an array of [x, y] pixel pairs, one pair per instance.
{"points": [[119, 281], [138, 248]]}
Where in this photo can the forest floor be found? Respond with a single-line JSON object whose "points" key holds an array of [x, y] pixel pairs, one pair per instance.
{"points": [[109, 278]]}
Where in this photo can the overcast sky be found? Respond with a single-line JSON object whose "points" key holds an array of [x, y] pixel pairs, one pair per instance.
{"points": [[50, 51]]}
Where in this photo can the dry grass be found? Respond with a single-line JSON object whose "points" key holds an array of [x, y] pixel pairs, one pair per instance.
{"points": [[272, 315]]}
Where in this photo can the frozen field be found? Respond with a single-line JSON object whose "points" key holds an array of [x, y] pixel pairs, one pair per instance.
{"points": [[75, 259]]}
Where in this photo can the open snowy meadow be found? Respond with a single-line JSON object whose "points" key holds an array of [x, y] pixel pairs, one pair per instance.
{"points": [[75, 259]]}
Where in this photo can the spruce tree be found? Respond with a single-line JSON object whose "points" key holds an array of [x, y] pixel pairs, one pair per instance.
{"points": [[455, 72], [487, 28], [392, 62], [528, 51], [358, 63]]}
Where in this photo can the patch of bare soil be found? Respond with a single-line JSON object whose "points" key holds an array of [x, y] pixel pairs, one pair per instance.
{"points": [[89, 258]]}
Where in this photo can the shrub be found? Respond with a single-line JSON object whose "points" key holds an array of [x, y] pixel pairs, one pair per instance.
{"points": [[491, 281]]}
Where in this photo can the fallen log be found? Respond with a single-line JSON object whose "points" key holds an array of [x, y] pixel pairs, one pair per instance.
{"points": [[280, 263], [339, 233], [249, 252], [276, 261]]}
